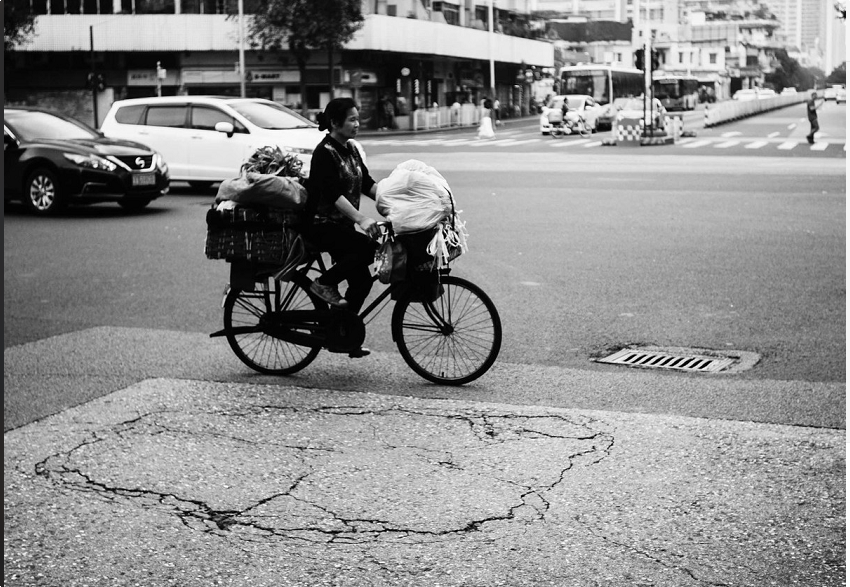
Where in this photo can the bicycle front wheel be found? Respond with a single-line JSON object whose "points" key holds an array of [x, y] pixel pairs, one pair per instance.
{"points": [[453, 340], [584, 129], [249, 318]]}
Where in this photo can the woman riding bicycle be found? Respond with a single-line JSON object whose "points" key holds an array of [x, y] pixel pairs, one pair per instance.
{"points": [[338, 177]]}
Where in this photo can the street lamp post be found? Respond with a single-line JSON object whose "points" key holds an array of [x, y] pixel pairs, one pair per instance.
{"points": [[491, 43], [240, 7], [93, 79]]}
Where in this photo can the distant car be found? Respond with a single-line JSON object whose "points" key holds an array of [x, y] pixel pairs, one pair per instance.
{"points": [[789, 91], [634, 109], [765, 93], [745, 95], [576, 104], [205, 139], [52, 160], [840, 95]]}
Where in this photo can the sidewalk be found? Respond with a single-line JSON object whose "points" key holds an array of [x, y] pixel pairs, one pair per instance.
{"points": [[258, 481]]}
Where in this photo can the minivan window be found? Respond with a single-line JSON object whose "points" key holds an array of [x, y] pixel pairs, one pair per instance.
{"points": [[129, 114], [173, 116], [205, 118], [270, 117]]}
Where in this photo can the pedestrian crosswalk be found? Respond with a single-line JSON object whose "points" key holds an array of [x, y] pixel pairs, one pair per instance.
{"points": [[600, 140]]}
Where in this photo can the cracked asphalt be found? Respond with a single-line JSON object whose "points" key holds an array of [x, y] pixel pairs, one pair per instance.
{"points": [[183, 481]]}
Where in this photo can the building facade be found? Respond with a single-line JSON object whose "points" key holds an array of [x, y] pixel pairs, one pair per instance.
{"points": [[414, 54]]}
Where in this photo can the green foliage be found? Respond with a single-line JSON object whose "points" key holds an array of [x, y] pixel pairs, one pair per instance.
{"points": [[789, 73], [18, 23], [838, 75]]}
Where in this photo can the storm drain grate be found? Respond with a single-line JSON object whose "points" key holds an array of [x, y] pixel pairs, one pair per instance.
{"points": [[666, 360]]}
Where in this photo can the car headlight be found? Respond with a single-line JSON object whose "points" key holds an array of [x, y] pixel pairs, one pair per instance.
{"points": [[91, 161], [159, 162]]}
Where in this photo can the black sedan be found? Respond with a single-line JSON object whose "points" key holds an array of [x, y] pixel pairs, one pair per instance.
{"points": [[52, 161]]}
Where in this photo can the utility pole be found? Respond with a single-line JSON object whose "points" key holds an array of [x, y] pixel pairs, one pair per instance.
{"points": [[93, 78], [241, 10]]}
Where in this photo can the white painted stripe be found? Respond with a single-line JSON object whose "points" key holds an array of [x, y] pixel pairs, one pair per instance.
{"points": [[730, 134], [571, 142], [773, 134], [726, 144], [756, 145], [787, 145], [685, 140], [819, 146], [593, 144], [696, 144]]}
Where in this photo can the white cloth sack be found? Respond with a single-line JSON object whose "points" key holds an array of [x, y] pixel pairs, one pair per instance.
{"points": [[414, 197], [485, 129]]}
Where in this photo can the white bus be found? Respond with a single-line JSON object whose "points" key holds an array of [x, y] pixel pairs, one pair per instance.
{"points": [[605, 83], [676, 92]]}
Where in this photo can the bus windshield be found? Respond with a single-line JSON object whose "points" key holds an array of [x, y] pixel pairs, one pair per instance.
{"points": [[587, 82]]}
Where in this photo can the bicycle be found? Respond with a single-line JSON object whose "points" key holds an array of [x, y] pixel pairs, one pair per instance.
{"points": [[571, 126], [448, 331]]}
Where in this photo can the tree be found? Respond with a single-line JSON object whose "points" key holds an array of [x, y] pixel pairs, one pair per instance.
{"points": [[838, 75], [302, 26], [18, 23]]}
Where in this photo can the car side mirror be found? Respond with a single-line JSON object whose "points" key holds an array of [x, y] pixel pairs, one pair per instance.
{"points": [[225, 127]]}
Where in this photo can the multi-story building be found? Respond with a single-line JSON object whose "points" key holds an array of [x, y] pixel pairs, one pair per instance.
{"points": [[417, 53]]}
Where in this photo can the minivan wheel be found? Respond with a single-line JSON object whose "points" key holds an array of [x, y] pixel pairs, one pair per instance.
{"points": [[42, 194]]}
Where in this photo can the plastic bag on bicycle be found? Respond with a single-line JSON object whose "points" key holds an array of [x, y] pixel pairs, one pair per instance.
{"points": [[415, 197]]}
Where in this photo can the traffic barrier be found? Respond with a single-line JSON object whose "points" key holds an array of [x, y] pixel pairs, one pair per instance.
{"points": [[674, 126], [628, 132], [728, 110]]}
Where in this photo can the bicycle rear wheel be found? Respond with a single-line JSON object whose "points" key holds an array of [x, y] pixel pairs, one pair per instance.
{"points": [[453, 340], [584, 129], [249, 319]]}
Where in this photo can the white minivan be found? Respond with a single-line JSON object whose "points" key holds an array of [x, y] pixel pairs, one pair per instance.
{"points": [[205, 139]]}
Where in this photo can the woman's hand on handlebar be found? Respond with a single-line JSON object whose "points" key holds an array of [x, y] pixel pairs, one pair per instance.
{"points": [[370, 227]]}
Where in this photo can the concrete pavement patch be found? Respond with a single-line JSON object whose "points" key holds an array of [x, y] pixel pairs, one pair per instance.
{"points": [[189, 483]]}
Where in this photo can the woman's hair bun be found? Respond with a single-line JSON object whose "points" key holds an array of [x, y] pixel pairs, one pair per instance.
{"points": [[322, 119]]}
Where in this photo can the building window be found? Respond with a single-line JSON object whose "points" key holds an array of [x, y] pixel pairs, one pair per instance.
{"points": [[712, 58], [681, 57], [155, 7]]}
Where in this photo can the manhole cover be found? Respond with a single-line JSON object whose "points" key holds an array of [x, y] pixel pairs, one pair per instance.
{"points": [[692, 360]]}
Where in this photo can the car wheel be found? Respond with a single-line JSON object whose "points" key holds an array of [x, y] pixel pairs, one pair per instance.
{"points": [[42, 194], [134, 204], [201, 186]]}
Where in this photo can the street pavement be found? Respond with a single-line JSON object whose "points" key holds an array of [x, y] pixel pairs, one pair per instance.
{"points": [[179, 467]]}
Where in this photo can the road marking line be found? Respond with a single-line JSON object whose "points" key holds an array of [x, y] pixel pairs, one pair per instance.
{"points": [[792, 126], [593, 144], [756, 145], [696, 144], [726, 145], [787, 145], [571, 143], [773, 134], [819, 146], [730, 134], [685, 140]]}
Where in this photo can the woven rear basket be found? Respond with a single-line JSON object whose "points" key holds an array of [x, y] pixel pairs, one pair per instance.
{"points": [[250, 234]]}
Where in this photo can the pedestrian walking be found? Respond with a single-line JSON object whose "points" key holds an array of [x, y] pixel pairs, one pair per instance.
{"points": [[485, 127], [812, 111], [497, 112]]}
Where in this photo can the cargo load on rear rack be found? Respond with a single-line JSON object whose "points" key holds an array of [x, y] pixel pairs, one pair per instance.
{"points": [[417, 199]]}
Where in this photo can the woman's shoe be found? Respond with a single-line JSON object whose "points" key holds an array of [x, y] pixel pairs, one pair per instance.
{"points": [[329, 294], [360, 353]]}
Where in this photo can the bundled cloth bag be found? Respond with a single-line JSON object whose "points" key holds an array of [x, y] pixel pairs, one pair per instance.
{"points": [[268, 178]]}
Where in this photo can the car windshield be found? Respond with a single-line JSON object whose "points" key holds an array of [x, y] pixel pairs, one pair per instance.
{"points": [[555, 103], [31, 125], [271, 117], [637, 104], [574, 103]]}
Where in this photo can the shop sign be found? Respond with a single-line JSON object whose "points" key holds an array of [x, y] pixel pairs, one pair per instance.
{"points": [[274, 76]]}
